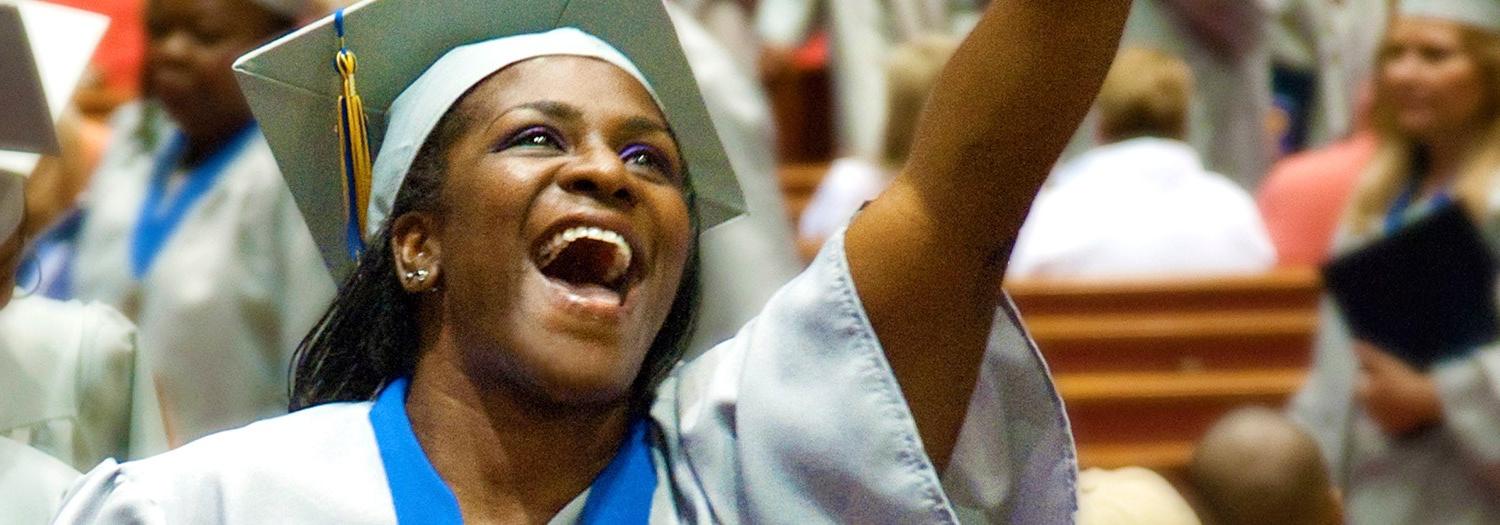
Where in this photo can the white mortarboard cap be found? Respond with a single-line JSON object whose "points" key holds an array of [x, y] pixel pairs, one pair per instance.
{"points": [[44, 50], [294, 89], [1483, 14]]}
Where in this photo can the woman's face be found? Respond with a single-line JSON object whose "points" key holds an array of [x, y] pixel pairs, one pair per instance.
{"points": [[1430, 85], [565, 230], [190, 48]]}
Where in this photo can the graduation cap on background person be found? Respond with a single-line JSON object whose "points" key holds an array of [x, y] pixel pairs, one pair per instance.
{"points": [[44, 50], [1484, 14], [307, 90]]}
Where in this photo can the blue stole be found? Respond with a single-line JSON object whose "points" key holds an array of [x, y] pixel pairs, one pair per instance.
{"points": [[158, 219], [621, 494], [1396, 217]]}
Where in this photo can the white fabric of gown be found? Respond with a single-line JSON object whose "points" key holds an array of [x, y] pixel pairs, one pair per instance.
{"points": [[232, 292], [797, 419], [67, 373]]}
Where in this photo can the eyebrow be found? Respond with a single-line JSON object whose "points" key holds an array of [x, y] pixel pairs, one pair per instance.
{"points": [[637, 125], [550, 108], [643, 126]]}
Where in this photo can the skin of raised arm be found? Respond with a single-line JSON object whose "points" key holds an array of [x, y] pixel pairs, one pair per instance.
{"points": [[928, 255]]}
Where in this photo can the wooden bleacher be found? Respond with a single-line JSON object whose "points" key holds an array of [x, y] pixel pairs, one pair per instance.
{"points": [[1146, 367]]}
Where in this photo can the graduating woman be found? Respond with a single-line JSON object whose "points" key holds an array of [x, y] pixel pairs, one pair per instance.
{"points": [[506, 349], [1409, 445]]}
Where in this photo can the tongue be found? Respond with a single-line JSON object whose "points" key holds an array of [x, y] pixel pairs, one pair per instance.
{"points": [[583, 265]]}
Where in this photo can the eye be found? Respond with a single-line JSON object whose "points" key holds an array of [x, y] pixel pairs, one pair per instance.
{"points": [[650, 158], [535, 137]]}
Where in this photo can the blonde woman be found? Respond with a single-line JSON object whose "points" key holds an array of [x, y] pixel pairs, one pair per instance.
{"points": [[1411, 446]]}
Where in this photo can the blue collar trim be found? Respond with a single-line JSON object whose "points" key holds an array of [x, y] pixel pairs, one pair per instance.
{"points": [[621, 494]]}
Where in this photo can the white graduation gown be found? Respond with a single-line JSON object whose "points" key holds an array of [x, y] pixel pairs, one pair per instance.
{"points": [[797, 419], [232, 292], [1138, 208], [32, 484], [1337, 42], [861, 35], [1447, 475], [66, 377], [749, 257]]}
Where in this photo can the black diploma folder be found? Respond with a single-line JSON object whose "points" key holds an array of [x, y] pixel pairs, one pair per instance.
{"points": [[1425, 293]]}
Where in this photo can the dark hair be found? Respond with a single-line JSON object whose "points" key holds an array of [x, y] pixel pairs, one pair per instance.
{"points": [[369, 336]]}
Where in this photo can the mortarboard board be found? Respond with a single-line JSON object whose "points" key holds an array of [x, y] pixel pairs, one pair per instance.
{"points": [[295, 92], [44, 49], [1483, 14]]}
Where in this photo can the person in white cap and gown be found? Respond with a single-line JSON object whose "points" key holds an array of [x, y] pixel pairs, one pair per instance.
{"points": [[507, 346], [1410, 445], [190, 231], [65, 367]]}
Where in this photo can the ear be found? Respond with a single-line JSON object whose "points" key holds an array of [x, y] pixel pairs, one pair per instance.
{"points": [[418, 251]]}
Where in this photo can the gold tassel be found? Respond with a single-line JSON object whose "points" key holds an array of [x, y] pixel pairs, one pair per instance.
{"points": [[354, 144]]}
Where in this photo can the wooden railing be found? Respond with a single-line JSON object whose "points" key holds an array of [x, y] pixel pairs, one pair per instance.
{"points": [[1145, 367]]}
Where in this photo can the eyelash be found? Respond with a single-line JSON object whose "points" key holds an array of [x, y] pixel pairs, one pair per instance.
{"points": [[654, 159], [527, 138]]}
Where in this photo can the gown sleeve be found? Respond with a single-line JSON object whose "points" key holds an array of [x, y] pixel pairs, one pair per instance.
{"points": [[107, 494], [800, 416], [1469, 390]]}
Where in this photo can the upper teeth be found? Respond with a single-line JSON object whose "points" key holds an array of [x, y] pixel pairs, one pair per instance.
{"points": [[555, 246]]}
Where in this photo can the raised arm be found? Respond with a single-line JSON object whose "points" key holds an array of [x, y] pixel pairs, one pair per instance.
{"points": [[928, 255]]}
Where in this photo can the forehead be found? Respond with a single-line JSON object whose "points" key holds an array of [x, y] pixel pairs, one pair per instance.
{"points": [[1430, 31], [589, 84]]}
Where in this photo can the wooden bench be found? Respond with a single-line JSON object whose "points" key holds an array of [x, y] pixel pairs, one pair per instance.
{"points": [[1145, 367]]}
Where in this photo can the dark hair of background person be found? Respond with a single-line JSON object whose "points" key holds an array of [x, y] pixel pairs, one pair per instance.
{"points": [[369, 336]]}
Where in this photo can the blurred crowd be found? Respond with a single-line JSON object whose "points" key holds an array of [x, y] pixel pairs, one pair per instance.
{"points": [[164, 275]]}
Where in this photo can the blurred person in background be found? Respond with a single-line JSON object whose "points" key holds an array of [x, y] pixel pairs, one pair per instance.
{"points": [[191, 232], [1333, 43], [1142, 204], [1304, 197], [65, 367], [1224, 43], [861, 36], [1255, 466], [747, 260], [912, 70], [1130, 496], [1410, 446]]}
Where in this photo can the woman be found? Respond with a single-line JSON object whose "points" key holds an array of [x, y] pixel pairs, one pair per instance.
{"points": [[1412, 446], [190, 231], [518, 310]]}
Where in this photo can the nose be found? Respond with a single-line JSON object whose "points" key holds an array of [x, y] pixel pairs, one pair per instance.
{"points": [[599, 173], [1403, 67], [171, 47]]}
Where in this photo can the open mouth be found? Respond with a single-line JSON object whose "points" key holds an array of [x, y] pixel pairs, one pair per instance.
{"points": [[593, 262]]}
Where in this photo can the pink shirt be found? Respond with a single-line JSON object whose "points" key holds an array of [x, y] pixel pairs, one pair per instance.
{"points": [[1304, 196]]}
